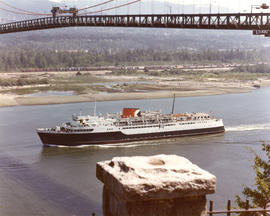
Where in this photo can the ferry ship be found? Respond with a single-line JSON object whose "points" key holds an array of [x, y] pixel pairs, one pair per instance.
{"points": [[132, 125]]}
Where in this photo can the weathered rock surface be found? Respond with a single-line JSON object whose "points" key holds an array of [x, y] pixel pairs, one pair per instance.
{"points": [[154, 178]]}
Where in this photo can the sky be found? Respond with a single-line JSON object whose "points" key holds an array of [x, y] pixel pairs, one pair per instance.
{"points": [[235, 5], [238, 5]]}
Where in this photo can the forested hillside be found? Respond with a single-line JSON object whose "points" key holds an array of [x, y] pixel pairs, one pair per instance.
{"points": [[80, 47], [19, 58]]}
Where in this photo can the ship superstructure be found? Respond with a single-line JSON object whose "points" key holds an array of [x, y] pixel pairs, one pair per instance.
{"points": [[132, 125]]}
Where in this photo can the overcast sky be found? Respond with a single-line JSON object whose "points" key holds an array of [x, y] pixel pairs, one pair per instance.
{"points": [[236, 5], [232, 4]]}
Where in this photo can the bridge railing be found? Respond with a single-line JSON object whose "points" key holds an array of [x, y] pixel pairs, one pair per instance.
{"points": [[229, 211], [258, 21]]}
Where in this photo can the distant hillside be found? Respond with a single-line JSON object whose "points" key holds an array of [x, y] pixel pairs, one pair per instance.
{"points": [[115, 39]]}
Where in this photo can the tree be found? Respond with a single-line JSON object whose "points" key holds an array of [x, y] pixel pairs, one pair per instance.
{"points": [[260, 194]]}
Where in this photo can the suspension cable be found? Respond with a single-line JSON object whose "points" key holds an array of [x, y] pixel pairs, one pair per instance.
{"points": [[29, 13], [16, 12], [25, 12], [111, 8], [103, 3]]}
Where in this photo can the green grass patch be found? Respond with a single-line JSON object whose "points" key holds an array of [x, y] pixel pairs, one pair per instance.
{"points": [[79, 79], [77, 89], [7, 82]]}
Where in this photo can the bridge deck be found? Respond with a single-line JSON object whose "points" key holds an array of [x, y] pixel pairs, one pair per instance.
{"points": [[245, 21]]}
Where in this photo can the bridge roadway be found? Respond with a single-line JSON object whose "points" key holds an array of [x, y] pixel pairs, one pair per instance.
{"points": [[258, 22]]}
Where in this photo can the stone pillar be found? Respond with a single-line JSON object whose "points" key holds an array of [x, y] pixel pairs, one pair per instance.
{"points": [[161, 185]]}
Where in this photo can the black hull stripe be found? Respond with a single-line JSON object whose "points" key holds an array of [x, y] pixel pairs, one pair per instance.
{"points": [[117, 137]]}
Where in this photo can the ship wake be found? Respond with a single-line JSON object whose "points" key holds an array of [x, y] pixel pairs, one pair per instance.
{"points": [[251, 127], [121, 145], [129, 145]]}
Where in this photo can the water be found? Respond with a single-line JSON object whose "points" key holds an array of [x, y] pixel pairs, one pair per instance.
{"points": [[61, 181]]}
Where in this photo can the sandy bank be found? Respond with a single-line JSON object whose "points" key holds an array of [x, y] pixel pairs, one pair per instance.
{"points": [[13, 100], [155, 87]]}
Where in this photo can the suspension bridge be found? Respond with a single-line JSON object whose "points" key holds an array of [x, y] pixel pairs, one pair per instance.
{"points": [[259, 23]]}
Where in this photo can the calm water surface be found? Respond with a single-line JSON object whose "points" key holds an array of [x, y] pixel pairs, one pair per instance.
{"points": [[61, 181]]}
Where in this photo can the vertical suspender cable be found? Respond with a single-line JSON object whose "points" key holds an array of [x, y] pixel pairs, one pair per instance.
{"points": [[115, 3], [183, 8], [25, 12], [96, 5], [111, 8], [140, 7], [22, 11], [164, 7]]}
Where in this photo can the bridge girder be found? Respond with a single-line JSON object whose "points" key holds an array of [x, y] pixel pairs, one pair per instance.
{"points": [[244, 21]]}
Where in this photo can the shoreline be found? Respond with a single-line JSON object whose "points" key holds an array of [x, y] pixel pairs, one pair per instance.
{"points": [[119, 88], [9, 100]]}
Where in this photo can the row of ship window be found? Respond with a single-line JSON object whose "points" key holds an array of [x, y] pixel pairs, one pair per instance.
{"points": [[187, 123], [192, 123], [141, 127], [84, 130], [146, 121], [148, 126], [161, 125], [164, 120], [89, 130], [134, 123], [202, 117]]}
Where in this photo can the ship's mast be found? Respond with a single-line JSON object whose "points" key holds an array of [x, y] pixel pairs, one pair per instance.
{"points": [[173, 103], [95, 108]]}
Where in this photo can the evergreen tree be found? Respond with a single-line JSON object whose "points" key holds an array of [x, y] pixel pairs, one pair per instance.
{"points": [[260, 194]]}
